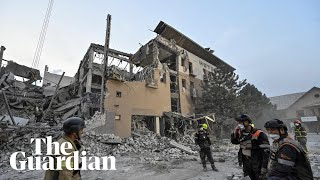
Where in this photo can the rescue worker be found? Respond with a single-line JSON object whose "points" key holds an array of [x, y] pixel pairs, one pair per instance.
{"points": [[300, 134], [288, 160], [253, 147], [73, 129], [202, 139]]}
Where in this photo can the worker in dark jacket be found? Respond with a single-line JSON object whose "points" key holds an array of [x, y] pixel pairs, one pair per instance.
{"points": [[300, 134], [73, 129], [254, 146], [202, 139], [288, 159]]}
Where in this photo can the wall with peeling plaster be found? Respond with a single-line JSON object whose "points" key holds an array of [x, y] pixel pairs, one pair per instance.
{"points": [[137, 99], [198, 64]]}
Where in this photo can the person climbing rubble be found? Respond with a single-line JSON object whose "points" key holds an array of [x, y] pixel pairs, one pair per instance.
{"points": [[253, 147], [202, 139]]}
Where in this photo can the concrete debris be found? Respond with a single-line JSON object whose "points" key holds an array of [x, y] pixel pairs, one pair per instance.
{"points": [[95, 121], [153, 147], [182, 147], [17, 138]]}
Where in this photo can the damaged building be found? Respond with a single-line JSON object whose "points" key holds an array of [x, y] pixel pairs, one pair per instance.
{"points": [[157, 87]]}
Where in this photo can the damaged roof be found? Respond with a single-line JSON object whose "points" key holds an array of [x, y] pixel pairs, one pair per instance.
{"points": [[285, 101], [188, 44]]}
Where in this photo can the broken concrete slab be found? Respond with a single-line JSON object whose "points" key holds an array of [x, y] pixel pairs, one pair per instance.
{"points": [[70, 112], [19, 121], [182, 147], [69, 104]]}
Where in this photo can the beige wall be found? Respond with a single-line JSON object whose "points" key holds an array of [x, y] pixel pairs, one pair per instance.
{"points": [[198, 65], [137, 99], [187, 107], [307, 99]]}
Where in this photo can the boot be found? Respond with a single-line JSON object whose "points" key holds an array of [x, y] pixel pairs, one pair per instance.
{"points": [[205, 168], [214, 167]]}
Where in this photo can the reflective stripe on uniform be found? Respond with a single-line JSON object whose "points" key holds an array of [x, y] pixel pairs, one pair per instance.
{"points": [[63, 164], [256, 134], [264, 146], [286, 162]]}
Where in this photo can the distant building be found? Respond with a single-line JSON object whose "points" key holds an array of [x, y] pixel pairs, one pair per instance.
{"points": [[304, 106]]}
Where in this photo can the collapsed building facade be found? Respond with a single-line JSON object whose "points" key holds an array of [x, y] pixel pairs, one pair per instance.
{"points": [[156, 87]]}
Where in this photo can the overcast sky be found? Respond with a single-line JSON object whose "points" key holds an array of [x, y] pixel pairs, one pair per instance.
{"points": [[273, 44]]}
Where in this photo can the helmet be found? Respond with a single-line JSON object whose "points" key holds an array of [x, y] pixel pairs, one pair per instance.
{"points": [[204, 126], [297, 121], [275, 123], [73, 124], [243, 117]]}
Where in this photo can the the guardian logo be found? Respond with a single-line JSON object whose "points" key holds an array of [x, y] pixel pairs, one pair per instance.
{"points": [[60, 159]]}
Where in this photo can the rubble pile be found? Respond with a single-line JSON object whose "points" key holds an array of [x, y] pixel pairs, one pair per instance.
{"points": [[22, 98], [151, 146], [98, 119], [99, 145], [17, 138]]}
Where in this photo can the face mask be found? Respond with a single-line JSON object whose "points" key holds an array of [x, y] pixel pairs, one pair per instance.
{"points": [[274, 136], [296, 124], [241, 127]]}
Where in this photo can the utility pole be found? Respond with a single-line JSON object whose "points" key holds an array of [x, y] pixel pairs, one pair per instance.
{"points": [[105, 63], [2, 49]]}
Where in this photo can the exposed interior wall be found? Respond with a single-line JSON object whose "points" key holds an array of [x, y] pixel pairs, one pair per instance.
{"points": [[198, 64], [187, 104], [136, 99]]}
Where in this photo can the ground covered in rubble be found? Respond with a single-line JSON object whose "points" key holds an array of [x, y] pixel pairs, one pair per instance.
{"points": [[148, 156]]}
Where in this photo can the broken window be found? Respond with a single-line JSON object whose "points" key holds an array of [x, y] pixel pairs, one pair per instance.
{"points": [[193, 91], [173, 84], [184, 83], [205, 74], [96, 79], [190, 68], [174, 105], [183, 61], [118, 94], [163, 77]]}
